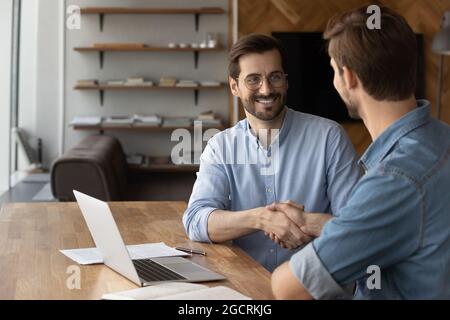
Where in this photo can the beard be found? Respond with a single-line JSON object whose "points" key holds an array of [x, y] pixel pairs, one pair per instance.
{"points": [[352, 107], [269, 112]]}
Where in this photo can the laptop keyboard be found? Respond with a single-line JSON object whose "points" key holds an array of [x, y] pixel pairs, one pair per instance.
{"points": [[149, 270]]}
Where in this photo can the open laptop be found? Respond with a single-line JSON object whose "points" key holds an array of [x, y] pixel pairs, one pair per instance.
{"points": [[143, 272]]}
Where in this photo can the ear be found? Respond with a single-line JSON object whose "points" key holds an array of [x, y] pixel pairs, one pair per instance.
{"points": [[233, 86], [350, 78]]}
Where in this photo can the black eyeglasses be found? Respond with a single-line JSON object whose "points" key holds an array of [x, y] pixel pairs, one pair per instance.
{"points": [[276, 79]]}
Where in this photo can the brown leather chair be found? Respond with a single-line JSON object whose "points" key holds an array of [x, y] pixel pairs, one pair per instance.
{"points": [[96, 166]]}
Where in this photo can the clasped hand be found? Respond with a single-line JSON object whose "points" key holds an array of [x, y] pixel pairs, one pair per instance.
{"points": [[289, 226]]}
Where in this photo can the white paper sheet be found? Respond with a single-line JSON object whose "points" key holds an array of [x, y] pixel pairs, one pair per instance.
{"points": [[177, 291], [138, 251]]}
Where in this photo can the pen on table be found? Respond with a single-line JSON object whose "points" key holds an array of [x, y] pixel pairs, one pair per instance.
{"points": [[203, 253]]}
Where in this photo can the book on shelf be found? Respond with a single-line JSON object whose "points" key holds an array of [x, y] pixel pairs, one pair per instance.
{"points": [[87, 82], [117, 82], [177, 291], [112, 121], [136, 159], [120, 45], [187, 84], [206, 115], [210, 122], [210, 83], [177, 122], [141, 120], [167, 82], [134, 81], [86, 121], [208, 118]]}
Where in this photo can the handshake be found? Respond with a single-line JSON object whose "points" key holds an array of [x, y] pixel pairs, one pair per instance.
{"points": [[288, 225]]}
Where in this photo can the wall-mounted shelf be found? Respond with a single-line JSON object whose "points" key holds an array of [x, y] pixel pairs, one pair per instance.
{"points": [[102, 128], [102, 11], [101, 51], [164, 168], [102, 88]]}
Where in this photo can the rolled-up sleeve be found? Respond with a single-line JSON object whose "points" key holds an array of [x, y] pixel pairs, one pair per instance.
{"points": [[380, 225], [309, 270], [211, 192]]}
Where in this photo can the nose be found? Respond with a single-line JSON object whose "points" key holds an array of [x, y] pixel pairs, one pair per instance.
{"points": [[266, 88]]}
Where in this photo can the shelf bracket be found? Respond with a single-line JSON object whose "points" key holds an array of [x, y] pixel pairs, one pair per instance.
{"points": [[196, 97], [101, 18], [101, 56], [197, 18], [102, 97], [196, 53]]}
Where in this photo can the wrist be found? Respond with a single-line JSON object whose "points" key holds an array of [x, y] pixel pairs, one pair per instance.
{"points": [[257, 218]]}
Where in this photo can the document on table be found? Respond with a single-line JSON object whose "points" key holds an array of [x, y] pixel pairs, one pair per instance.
{"points": [[177, 291], [138, 251]]}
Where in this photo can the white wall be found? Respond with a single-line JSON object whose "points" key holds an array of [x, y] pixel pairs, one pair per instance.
{"points": [[6, 7], [48, 81], [155, 30]]}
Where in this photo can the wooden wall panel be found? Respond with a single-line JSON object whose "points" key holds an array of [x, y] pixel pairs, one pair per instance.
{"points": [[424, 16]]}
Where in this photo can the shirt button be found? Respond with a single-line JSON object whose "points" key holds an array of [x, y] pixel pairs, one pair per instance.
{"points": [[272, 250]]}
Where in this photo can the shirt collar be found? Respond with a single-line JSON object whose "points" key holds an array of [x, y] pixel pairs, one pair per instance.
{"points": [[287, 121], [389, 137]]}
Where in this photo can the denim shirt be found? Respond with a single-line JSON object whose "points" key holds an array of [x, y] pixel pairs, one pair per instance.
{"points": [[397, 219], [317, 167]]}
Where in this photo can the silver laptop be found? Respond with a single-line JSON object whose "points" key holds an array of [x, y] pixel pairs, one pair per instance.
{"points": [[143, 272]]}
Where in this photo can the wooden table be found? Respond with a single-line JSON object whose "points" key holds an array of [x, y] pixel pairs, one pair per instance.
{"points": [[31, 235]]}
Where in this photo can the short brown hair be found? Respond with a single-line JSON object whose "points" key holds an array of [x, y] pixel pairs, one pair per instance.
{"points": [[254, 43], [385, 60]]}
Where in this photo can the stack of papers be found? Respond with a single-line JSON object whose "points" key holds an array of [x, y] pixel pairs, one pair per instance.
{"points": [[209, 118], [135, 81], [210, 83], [210, 122], [136, 159], [87, 82], [120, 45], [147, 120], [86, 121], [115, 82], [177, 122], [167, 82], [118, 121], [187, 84], [138, 251]]}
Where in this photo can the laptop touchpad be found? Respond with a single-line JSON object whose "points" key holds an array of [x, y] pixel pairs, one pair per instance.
{"points": [[184, 268]]}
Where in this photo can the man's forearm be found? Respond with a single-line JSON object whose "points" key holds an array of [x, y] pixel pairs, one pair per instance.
{"points": [[314, 223], [228, 225]]}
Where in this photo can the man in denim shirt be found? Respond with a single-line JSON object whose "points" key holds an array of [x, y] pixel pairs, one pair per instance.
{"points": [[393, 236]]}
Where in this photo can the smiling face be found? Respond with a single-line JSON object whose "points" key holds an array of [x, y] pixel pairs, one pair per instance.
{"points": [[267, 101]]}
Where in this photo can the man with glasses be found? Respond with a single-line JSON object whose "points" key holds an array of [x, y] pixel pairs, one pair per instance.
{"points": [[275, 155]]}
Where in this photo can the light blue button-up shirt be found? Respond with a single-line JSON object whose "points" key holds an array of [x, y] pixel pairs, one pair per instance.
{"points": [[397, 219], [316, 167]]}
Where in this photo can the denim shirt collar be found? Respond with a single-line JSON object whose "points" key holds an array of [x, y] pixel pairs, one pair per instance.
{"points": [[389, 137], [287, 121]]}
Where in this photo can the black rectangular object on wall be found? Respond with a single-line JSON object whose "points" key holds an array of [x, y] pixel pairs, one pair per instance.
{"points": [[310, 75]]}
